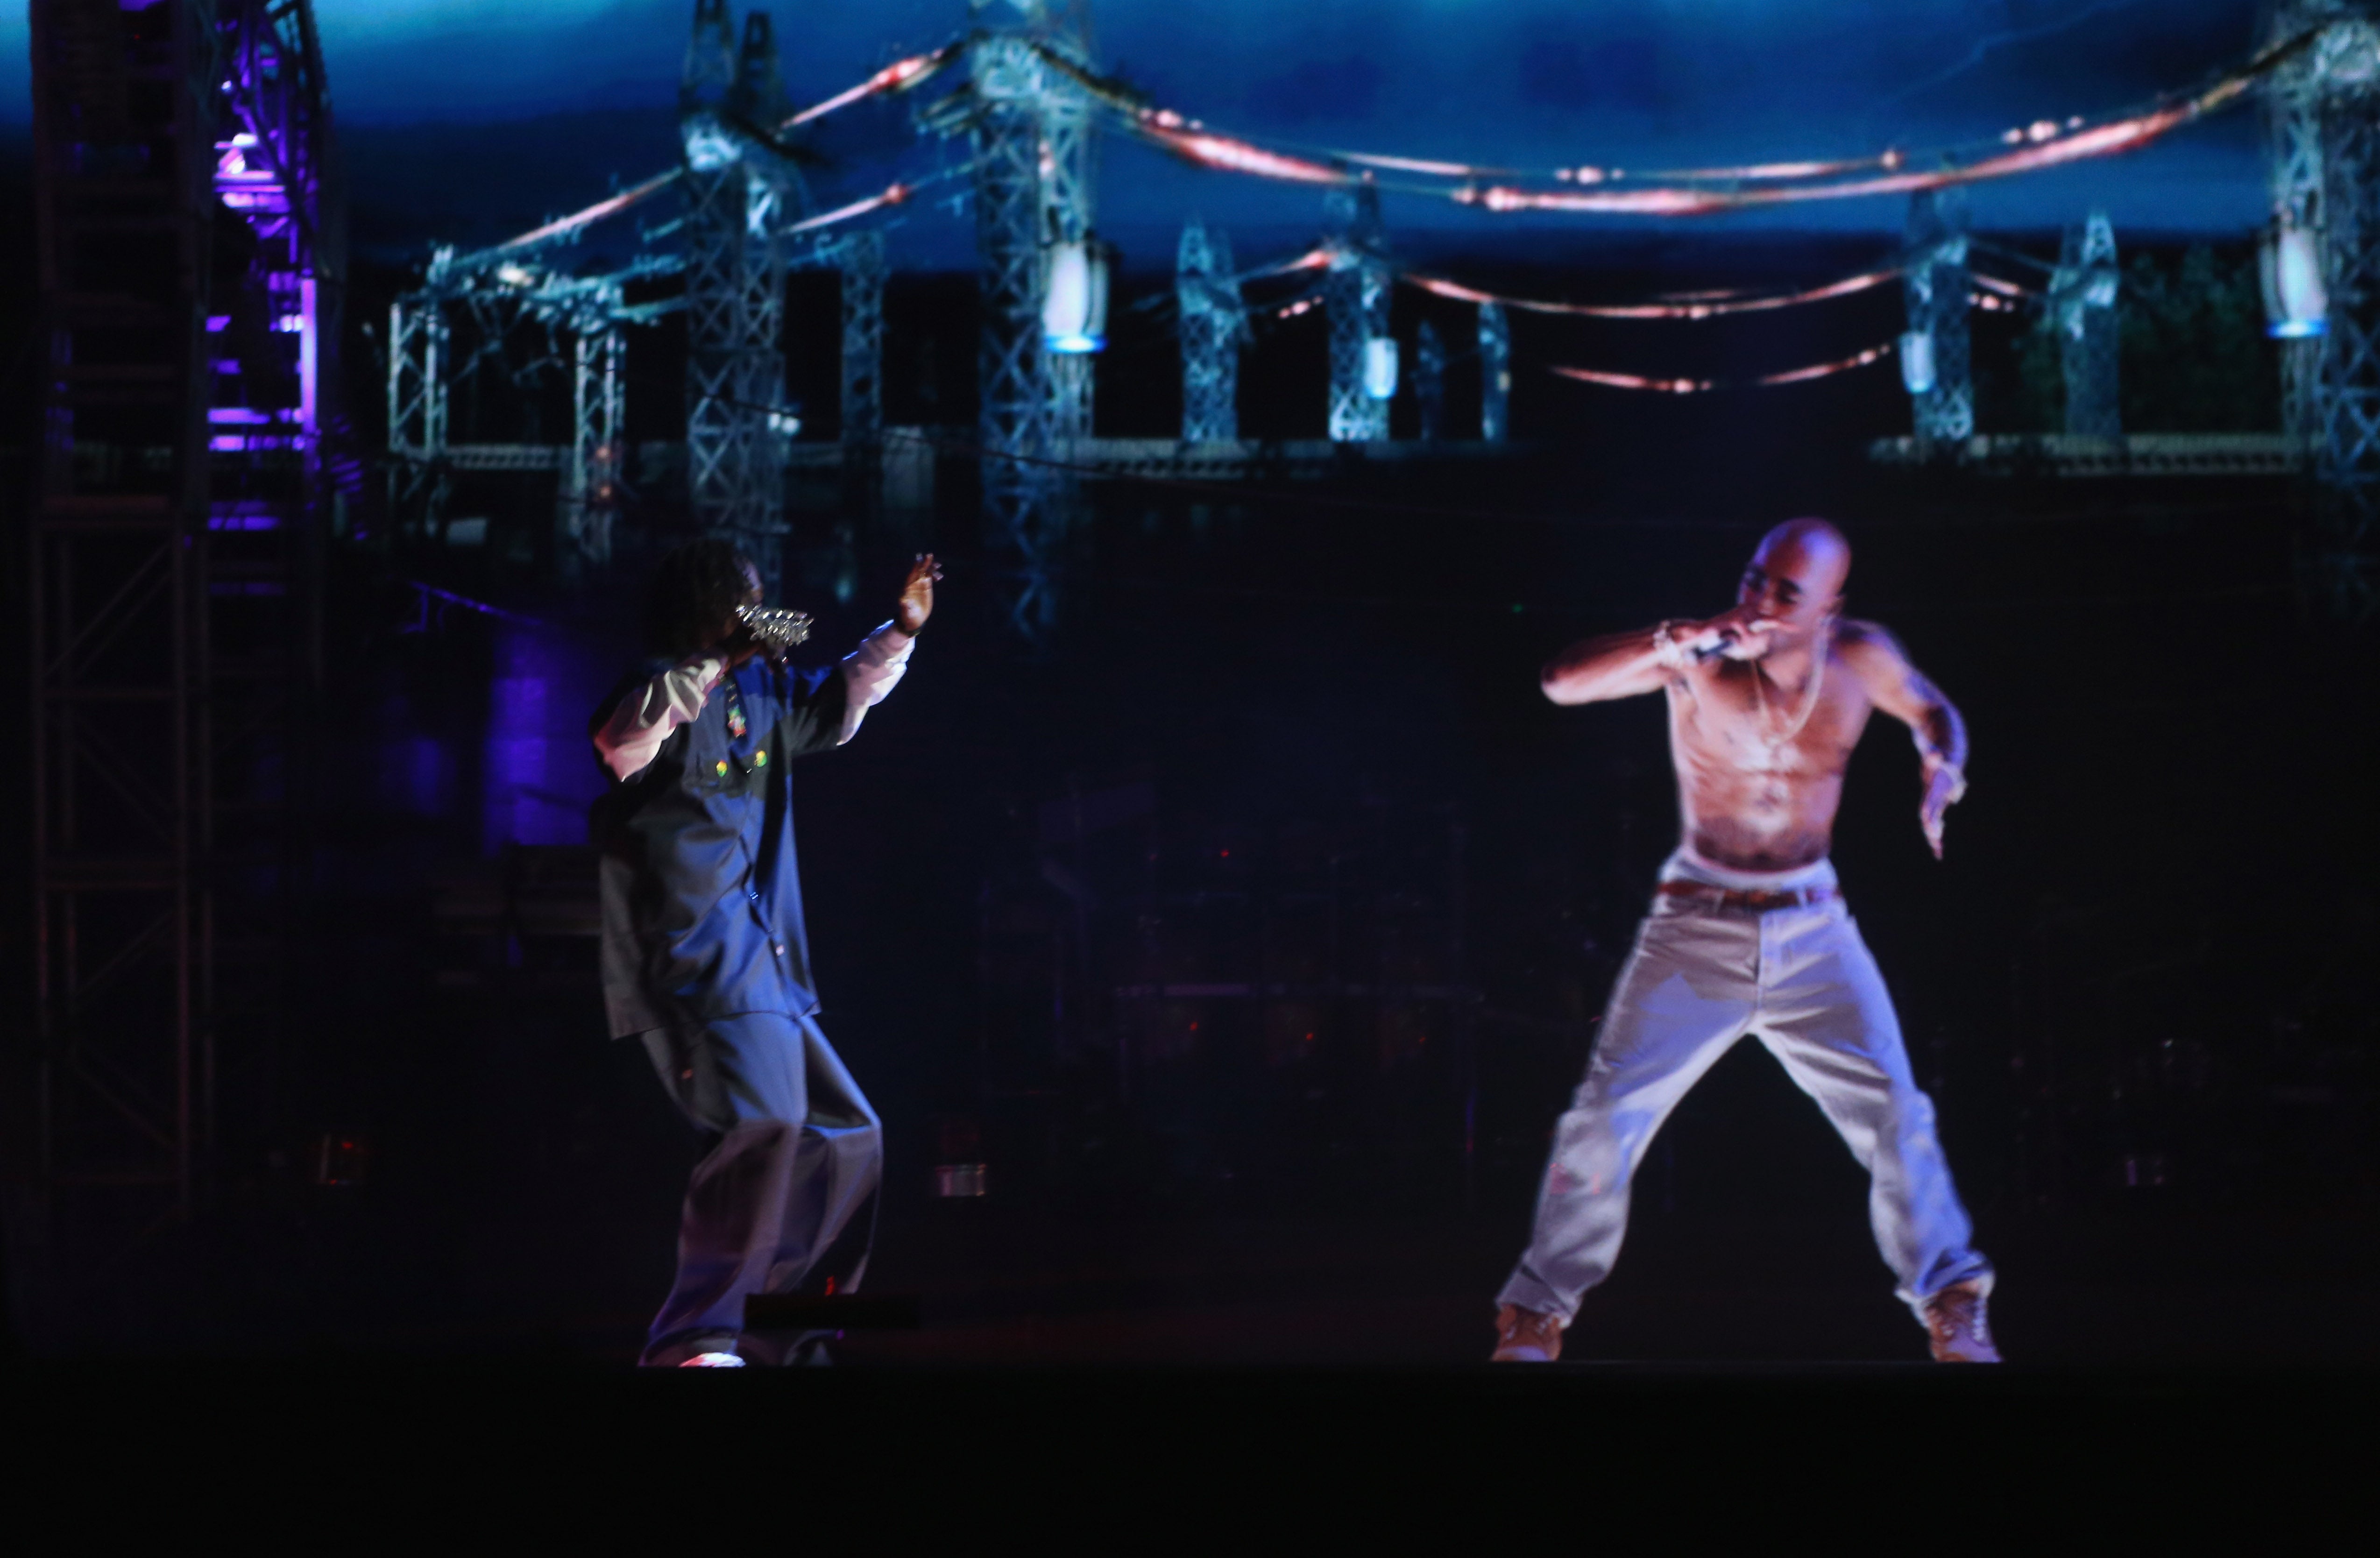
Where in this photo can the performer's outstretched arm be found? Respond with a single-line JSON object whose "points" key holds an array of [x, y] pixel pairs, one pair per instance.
{"points": [[1901, 690], [1624, 664], [870, 671]]}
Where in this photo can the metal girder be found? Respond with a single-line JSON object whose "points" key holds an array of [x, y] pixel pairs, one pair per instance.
{"points": [[1494, 373], [1355, 295], [1938, 287], [1213, 322], [2082, 296]]}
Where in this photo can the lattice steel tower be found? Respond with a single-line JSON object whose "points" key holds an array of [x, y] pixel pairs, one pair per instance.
{"points": [[1938, 288], [2293, 127], [1213, 321], [734, 194], [2347, 390], [1031, 131], [2082, 296], [1355, 293]]}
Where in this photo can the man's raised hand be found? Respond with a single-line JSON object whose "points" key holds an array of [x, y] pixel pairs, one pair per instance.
{"points": [[917, 595]]}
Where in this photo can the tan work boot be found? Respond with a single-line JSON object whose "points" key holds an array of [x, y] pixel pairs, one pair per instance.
{"points": [[1526, 1336], [1957, 1326]]}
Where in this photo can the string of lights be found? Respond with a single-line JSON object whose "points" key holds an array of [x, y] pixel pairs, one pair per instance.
{"points": [[2041, 144], [897, 77], [1686, 306], [1704, 386]]}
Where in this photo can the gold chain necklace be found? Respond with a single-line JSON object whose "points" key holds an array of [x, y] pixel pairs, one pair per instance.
{"points": [[1776, 743]]}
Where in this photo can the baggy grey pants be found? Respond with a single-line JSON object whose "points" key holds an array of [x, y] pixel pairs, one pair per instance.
{"points": [[786, 1197], [1700, 978]]}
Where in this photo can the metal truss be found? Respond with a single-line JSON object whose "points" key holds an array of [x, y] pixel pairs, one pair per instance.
{"points": [[860, 260], [2083, 296], [420, 481], [1011, 84], [589, 499], [1069, 194], [1494, 373], [2292, 105], [1938, 288], [190, 267], [1429, 381], [1356, 293], [737, 429], [2347, 393], [1213, 324]]}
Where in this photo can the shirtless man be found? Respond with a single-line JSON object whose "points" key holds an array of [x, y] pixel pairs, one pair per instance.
{"points": [[1748, 934]]}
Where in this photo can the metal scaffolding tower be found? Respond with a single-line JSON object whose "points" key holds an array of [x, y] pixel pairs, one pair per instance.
{"points": [[1213, 322], [860, 260], [1494, 373], [190, 270], [1356, 293], [2347, 391], [735, 189], [1934, 353], [588, 498], [2083, 296], [1030, 129], [419, 479], [2293, 127], [1429, 381]]}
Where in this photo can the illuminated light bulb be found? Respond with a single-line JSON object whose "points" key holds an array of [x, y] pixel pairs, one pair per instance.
{"points": [[2013, 138], [2288, 264], [2074, 123], [2042, 129], [1917, 362], [1891, 158]]}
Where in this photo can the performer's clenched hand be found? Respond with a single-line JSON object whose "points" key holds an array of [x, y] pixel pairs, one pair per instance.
{"points": [[1741, 633], [916, 595]]}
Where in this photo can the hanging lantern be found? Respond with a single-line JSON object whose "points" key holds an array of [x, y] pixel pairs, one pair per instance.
{"points": [[1917, 362], [2288, 263], [1381, 367], [1075, 309]]}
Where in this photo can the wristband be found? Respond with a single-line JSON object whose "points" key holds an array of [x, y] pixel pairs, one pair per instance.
{"points": [[1667, 653]]}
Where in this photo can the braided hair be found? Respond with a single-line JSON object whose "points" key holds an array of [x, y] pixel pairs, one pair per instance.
{"points": [[693, 586]]}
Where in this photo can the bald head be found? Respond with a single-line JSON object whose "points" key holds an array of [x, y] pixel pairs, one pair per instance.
{"points": [[1796, 574]]}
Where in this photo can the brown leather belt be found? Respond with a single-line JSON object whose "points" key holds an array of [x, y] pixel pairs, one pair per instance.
{"points": [[1759, 900]]}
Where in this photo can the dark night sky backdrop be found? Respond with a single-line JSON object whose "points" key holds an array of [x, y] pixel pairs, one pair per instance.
{"points": [[464, 115]]}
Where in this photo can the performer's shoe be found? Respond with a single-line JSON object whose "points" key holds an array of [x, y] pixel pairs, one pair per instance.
{"points": [[1526, 1336], [1956, 1325], [696, 1349]]}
